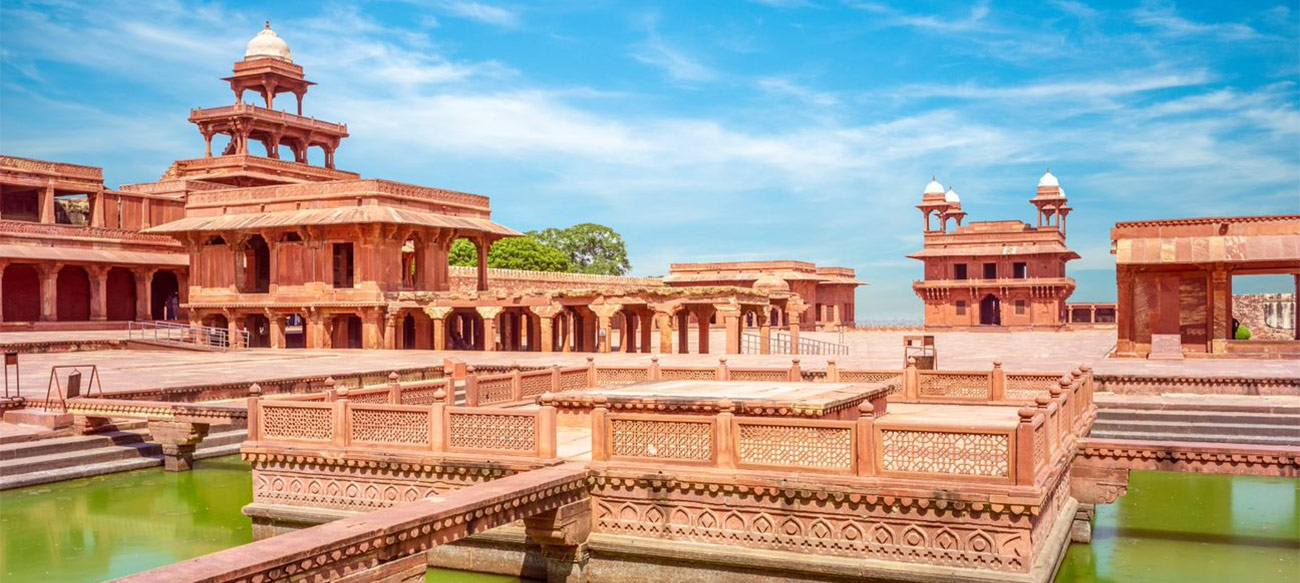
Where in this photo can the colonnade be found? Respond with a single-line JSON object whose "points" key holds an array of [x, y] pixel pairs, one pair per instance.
{"points": [[53, 291]]}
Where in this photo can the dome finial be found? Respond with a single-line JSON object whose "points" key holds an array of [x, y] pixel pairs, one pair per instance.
{"points": [[267, 25], [268, 44]]}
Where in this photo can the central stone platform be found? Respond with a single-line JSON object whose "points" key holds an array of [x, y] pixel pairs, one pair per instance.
{"points": [[746, 398]]}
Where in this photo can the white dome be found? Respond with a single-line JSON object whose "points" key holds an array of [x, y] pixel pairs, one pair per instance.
{"points": [[268, 44], [1048, 180], [951, 196], [934, 187]]}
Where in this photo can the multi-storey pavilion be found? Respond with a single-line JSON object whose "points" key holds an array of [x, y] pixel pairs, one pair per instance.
{"points": [[994, 273], [1175, 281], [71, 253], [304, 256], [828, 291]]}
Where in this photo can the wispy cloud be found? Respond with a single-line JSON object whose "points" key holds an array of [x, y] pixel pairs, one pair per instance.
{"points": [[1166, 20], [673, 61], [478, 11], [783, 86]]}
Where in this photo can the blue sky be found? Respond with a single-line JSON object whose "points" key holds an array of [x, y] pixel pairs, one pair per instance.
{"points": [[709, 131]]}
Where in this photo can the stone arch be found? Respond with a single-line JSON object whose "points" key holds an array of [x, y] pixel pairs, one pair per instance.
{"points": [[990, 310], [408, 332], [21, 288], [257, 265], [119, 291], [72, 293]]}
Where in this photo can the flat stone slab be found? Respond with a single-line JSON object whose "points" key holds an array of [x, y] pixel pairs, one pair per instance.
{"points": [[768, 398]]}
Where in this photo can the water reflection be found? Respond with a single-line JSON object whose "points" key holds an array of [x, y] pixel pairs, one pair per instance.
{"points": [[1182, 528]]}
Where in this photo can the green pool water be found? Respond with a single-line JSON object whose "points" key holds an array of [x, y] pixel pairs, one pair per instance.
{"points": [[1176, 528]]}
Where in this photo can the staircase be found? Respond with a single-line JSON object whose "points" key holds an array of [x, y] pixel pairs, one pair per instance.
{"points": [[1252, 421], [65, 458]]}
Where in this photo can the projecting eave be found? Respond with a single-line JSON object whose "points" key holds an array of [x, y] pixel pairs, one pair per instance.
{"points": [[995, 250], [334, 216]]}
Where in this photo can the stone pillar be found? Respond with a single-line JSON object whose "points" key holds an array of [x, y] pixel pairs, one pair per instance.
{"points": [[391, 329], [646, 325], [482, 247], [439, 317], [489, 314], [143, 289], [684, 332], [1220, 310], [178, 440], [604, 314], [794, 332], [314, 333], [276, 322], [48, 275], [547, 326], [731, 320], [3, 265], [764, 335], [98, 291], [628, 336], [235, 325], [47, 205], [372, 329], [703, 317], [665, 322], [1125, 318], [1296, 300]]}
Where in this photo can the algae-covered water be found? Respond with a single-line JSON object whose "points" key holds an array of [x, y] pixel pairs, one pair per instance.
{"points": [[1175, 528]]}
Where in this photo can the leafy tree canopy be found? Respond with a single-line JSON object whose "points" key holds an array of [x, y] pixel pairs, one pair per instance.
{"points": [[590, 248], [512, 253]]}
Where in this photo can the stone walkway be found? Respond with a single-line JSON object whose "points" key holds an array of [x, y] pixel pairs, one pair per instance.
{"points": [[1032, 352]]}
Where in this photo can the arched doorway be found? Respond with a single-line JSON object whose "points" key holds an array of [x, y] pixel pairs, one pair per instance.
{"points": [[165, 296], [22, 293], [120, 294], [73, 293], [259, 331], [295, 331], [990, 311], [346, 331]]}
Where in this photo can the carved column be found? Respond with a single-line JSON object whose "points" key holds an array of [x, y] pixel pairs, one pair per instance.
{"points": [[684, 331], [481, 246], [1220, 298], [372, 329], [48, 274], [178, 440], [489, 314], [3, 265], [647, 322], [731, 322], [98, 291], [391, 329], [764, 334], [47, 205], [703, 315], [1125, 317], [547, 321], [604, 315], [277, 328], [314, 335], [235, 326], [439, 317], [665, 322], [143, 289]]}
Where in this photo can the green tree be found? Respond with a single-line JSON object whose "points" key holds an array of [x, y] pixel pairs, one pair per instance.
{"points": [[511, 253], [591, 248]]}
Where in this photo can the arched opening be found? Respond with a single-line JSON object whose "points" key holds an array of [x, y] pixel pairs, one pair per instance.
{"points": [[295, 331], [257, 266], [221, 145], [285, 151], [21, 289], [990, 311], [259, 331], [347, 331], [73, 293], [464, 330], [774, 318], [408, 332], [316, 155], [120, 294], [20, 204], [411, 268], [165, 296]]}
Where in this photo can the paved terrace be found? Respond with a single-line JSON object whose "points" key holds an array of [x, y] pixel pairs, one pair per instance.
{"points": [[1031, 352]]}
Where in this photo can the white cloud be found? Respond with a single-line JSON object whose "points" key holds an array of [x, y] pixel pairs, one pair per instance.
{"points": [[783, 86], [673, 61], [1165, 20], [485, 13]]}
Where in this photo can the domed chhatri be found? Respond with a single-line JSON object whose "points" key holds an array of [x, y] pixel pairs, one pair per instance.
{"points": [[951, 196], [933, 187], [267, 44], [1048, 179], [769, 282]]}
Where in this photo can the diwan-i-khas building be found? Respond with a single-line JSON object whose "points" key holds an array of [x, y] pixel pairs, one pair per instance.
{"points": [[994, 274], [301, 255]]}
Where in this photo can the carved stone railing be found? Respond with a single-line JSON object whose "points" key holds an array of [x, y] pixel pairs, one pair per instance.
{"points": [[1026, 449], [59, 231], [264, 113], [436, 428], [479, 205], [518, 386]]}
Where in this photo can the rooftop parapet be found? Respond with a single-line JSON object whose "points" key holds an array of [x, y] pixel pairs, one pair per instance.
{"points": [[52, 169]]}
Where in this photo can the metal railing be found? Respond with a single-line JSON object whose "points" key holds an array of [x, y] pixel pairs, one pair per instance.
{"points": [[185, 334], [779, 343]]}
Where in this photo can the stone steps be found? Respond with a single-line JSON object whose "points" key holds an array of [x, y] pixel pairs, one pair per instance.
{"points": [[1244, 420], [78, 457]]}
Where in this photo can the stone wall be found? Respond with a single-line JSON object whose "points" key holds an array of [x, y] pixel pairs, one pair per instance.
{"points": [[463, 279], [1268, 316]]}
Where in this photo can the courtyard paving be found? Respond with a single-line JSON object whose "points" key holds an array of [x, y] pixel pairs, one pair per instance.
{"points": [[1033, 352]]}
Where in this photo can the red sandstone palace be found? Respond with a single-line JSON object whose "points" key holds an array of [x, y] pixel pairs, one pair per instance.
{"points": [[828, 290], [299, 255], [994, 273]]}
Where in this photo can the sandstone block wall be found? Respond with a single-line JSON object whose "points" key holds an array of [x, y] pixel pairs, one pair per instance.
{"points": [[1269, 316]]}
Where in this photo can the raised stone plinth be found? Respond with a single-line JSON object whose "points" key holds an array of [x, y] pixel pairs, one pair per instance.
{"points": [[1166, 347], [52, 420]]}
